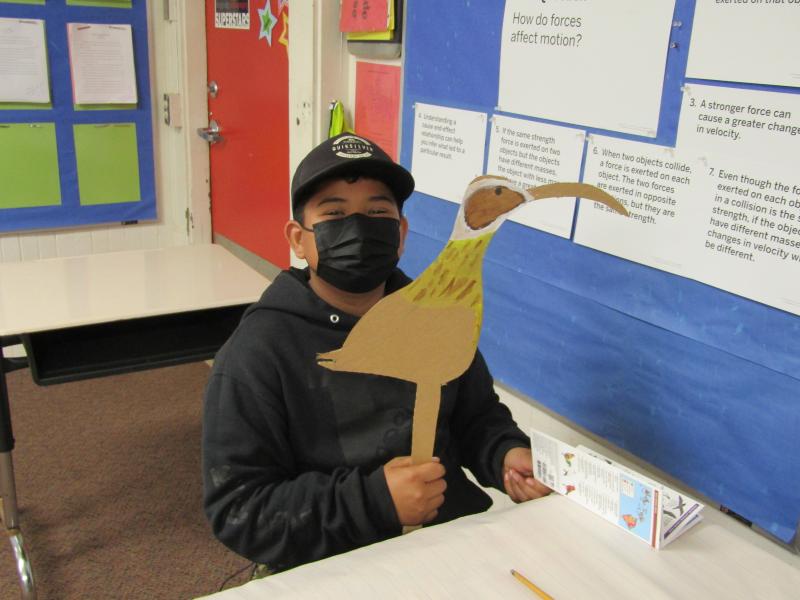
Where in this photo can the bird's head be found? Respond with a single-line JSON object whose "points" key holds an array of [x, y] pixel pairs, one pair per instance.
{"points": [[490, 199]]}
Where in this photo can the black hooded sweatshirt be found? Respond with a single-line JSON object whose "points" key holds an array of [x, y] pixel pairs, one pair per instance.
{"points": [[293, 453]]}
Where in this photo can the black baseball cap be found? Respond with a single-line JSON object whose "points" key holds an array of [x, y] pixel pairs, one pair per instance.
{"points": [[344, 155]]}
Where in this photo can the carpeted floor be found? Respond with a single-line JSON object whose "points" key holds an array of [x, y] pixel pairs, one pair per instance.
{"points": [[109, 488]]}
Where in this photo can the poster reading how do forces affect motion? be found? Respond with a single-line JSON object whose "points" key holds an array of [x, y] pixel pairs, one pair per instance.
{"points": [[593, 63]]}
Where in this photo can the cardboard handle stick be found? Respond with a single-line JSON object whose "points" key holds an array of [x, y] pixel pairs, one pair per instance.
{"points": [[423, 427]]}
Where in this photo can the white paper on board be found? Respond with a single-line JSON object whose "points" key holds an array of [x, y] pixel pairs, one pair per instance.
{"points": [[727, 221], [594, 63], [750, 211], [23, 61], [738, 122], [751, 42], [532, 154], [655, 185], [101, 62], [448, 150]]}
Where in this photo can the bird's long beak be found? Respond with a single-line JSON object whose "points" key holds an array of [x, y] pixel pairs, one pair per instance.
{"points": [[581, 190]]}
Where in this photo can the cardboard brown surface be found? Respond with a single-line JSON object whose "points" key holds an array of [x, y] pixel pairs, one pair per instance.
{"points": [[579, 190], [409, 341], [427, 332]]}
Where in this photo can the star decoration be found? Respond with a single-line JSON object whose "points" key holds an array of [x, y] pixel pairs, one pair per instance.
{"points": [[267, 21], [283, 39]]}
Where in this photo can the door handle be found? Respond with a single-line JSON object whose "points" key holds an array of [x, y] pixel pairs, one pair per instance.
{"points": [[211, 134]]}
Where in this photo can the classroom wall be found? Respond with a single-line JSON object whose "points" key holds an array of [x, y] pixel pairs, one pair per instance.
{"points": [[321, 69], [702, 412], [177, 57], [527, 412]]}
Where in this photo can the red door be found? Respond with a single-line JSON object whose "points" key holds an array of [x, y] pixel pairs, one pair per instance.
{"points": [[248, 75]]}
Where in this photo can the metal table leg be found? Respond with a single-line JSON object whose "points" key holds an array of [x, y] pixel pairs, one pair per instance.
{"points": [[10, 517], [8, 490]]}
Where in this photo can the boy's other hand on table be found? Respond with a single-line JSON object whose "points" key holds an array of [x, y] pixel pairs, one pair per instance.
{"points": [[518, 477]]}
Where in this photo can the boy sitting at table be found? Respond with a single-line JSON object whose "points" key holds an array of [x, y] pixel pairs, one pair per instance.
{"points": [[300, 462]]}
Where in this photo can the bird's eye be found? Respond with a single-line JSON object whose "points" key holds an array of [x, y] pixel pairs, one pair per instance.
{"points": [[498, 190]]}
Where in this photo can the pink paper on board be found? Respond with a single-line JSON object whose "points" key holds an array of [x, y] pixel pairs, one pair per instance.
{"points": [[378, 104], [364, 15]]}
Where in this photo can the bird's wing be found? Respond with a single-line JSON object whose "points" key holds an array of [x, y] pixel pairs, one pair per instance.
{"points": [[402, 339]]}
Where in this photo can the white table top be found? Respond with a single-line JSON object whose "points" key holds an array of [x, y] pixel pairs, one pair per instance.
{"points": [[563, 548], [54, 293]]}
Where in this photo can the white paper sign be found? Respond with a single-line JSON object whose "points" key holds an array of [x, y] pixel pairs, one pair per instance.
{"points": [[751, 41], [736, 122], [722, 220], [655, 185], [101, 61], [23, 61], [591, 62], [448, 150], [751, 230], [232, 14], [532, 154]]}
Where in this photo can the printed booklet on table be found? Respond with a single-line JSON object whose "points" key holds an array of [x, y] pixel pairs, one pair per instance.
{"points": [[645, 508]]}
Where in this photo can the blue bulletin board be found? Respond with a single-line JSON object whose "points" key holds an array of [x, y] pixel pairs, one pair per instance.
{"points": [[701, 383], [118, 138]]}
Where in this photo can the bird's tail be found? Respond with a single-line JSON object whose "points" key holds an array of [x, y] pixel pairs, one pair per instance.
{"points": [[581, 190]]}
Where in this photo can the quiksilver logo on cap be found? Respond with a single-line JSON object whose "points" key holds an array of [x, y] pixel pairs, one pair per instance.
{"points": [[351, 146]]}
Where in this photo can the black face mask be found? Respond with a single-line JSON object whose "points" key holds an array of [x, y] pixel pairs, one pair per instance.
{"points": [[357, 253]]}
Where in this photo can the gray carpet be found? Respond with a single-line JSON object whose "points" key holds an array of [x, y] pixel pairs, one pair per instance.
{"points": [[109, 488]]}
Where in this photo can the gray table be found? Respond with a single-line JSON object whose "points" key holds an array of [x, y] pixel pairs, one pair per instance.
{"points": [[566, 550], [103, 314]]}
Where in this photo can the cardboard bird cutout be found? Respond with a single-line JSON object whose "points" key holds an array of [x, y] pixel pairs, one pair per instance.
{"points": [[427, 332]]}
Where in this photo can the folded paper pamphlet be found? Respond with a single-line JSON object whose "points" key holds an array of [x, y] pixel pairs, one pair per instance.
{"points": [[641, 506]]}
